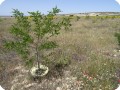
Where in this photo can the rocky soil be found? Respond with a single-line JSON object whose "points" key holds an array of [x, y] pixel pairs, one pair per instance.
{"points": [[22, 81]]}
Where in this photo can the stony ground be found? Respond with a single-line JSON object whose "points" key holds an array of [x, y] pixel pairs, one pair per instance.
{"points": [[23, 82], [16, 77]]}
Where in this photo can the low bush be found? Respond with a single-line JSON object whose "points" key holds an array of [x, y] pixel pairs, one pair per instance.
{"points": [[117, 35]]}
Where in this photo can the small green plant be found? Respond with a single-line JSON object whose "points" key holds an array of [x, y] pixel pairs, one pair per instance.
{"points": [[71, 16], [0, 20], [113, 17], [32, 34], [77, 18], [117, 35]]}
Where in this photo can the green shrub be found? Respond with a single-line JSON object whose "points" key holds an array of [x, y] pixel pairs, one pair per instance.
{"points": [[0, 20], [77, 18], [117, 35]]}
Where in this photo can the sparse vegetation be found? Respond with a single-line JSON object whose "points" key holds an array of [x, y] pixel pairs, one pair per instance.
{"points": [[91, 50]]}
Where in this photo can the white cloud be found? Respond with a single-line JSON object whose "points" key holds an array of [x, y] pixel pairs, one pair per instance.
{"points": [[1, 1], [118, 1]]}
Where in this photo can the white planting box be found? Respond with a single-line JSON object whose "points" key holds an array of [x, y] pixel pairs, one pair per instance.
{"points": [[1, 88], [118, 88]]}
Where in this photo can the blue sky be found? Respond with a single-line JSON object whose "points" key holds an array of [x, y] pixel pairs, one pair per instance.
{"points": [[67, 6]]}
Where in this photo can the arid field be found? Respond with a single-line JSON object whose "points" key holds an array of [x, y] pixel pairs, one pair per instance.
{"points": [[88, 58]]}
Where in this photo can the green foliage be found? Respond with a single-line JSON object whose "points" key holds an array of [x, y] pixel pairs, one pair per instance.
{"points": [[33, 34], [21, 31], [63, 61], [0, 20], [71, 15], [48, 45], [117, 35], [77, 18], [61, 58]]}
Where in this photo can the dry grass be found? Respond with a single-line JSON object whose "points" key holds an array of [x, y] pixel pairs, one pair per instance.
{"points": [[89, 47]]}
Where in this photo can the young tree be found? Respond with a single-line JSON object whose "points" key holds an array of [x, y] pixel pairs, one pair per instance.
{"points": [[32, 34]]}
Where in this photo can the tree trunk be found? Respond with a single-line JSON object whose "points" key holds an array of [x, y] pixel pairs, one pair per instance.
{"points": [[37, 53]]}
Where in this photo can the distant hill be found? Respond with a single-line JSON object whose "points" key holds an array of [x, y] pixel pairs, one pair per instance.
{"points": [[83, 14], [94, 14]]}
